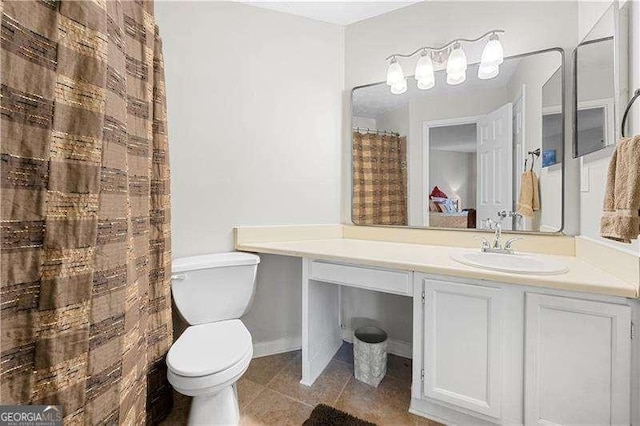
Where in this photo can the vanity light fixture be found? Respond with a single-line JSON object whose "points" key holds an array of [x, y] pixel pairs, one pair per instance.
{"points": [[456, 63]]}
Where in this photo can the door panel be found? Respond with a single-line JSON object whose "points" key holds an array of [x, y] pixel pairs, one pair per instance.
{"points": [[495, 164], [463, 346], [577, 361], [518, 150]]}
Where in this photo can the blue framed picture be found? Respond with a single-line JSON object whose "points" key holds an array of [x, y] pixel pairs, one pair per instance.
{"points": [[548, 157]]}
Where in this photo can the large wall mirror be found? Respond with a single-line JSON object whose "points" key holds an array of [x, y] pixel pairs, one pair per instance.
{"points": [[455, 156]]}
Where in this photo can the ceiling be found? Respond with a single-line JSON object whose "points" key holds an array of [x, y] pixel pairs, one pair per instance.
{"points": [[335, 12]]}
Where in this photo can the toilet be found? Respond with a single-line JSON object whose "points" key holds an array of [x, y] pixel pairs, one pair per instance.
{"points": [[211, 292]]}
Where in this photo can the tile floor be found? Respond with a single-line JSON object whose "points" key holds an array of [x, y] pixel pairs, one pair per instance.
{"points": [[270, 392]]}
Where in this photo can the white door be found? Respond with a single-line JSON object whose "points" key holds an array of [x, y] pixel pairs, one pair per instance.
{"points": [[495, 164], [518, 150], [577, 362], [463, 346]]}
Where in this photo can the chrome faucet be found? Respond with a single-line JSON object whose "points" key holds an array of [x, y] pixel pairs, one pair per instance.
{"points": [[515, 215], [497, 246]]}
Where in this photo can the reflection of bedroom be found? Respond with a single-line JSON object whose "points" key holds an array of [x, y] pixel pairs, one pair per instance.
{"points": [[452, 173]]}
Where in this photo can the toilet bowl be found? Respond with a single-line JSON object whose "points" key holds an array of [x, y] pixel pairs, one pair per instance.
{"points": [[207, 360], [205, 363]]}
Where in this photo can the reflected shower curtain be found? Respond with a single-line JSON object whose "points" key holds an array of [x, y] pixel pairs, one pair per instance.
{"points": [[379, 179], [85, 248]]}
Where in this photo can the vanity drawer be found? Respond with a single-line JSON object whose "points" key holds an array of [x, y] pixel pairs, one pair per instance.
{"points": [[383, 280]]}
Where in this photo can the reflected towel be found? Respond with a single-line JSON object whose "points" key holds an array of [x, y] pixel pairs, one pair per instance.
{"points": [[529, 200], [621, 211]]}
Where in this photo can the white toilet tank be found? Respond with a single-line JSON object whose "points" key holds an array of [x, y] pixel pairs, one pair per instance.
{"points": [[213, 287]]}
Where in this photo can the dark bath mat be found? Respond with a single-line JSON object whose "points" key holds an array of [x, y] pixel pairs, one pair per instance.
{"points": [[323, 415]]}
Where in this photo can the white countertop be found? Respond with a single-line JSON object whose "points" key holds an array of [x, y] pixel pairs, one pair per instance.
{"points": [[430, 259]]}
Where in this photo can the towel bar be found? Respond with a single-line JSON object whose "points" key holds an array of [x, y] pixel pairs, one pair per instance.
{"points": [[626, 111], [534, 154]]}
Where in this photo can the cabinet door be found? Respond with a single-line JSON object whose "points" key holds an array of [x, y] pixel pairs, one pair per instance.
{"points": [[463, 346], [577, 361]]}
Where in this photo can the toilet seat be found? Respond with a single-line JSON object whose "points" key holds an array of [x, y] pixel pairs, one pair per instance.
{"points": [[208, 357], [209, 348]]}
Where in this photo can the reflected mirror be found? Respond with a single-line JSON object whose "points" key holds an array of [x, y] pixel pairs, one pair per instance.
{"points": [[455, 156], [595, 87]]}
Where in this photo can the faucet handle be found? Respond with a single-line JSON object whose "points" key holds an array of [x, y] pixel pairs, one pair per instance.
{"points": [[485, 242], [510, 242]]}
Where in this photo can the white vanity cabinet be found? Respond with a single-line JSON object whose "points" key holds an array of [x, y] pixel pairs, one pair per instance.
{"points": [[463, 345], [487, 353], [490, 353], [577, 361]]}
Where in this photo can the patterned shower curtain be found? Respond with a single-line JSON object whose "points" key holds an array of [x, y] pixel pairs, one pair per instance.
{"points": [[379, 179], [85, 248]]}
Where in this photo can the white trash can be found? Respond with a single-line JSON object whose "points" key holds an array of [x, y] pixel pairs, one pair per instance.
{"points": [[370, 354]]}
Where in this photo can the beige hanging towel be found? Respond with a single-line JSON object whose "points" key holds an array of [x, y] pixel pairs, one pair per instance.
{"points": [[529, 200], [621, 211]]}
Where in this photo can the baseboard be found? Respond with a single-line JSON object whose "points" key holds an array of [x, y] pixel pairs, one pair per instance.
{"points": [[396, 347], [441, 413], [288, 344], [273, 347]]}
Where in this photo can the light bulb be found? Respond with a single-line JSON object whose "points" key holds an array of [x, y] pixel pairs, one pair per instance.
{"points": [[400, 87], [425, 83], [456, 78], [424, 68], [493, 54], [457, 61], [394, 73], [424, 73], [486, 72]]}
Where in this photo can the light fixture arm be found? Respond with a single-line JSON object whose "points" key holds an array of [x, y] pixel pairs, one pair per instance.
{"points": [[444, 47]]}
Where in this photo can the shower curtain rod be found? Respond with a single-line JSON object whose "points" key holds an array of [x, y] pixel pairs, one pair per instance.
{"points": [[380, 132]]}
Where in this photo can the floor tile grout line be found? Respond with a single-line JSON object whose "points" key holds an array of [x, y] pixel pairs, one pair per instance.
{"points": [[292, 398], [286, 364], [342, 361], [250, 403], [342, 390], [262, 388], [298, 400]]}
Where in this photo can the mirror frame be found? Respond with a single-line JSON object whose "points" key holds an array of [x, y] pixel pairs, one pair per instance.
{"points": [[563, 104]]}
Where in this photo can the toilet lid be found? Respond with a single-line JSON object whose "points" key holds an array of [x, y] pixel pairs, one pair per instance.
{"points": [[209, 348]]}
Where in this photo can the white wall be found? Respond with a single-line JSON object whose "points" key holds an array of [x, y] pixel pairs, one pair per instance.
{"points": [[455, 174], [396, 121], [254, 104], [392, 313], [529, 25]]}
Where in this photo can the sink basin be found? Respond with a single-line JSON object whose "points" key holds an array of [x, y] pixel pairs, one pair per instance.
{"points": [[526, 264]]}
